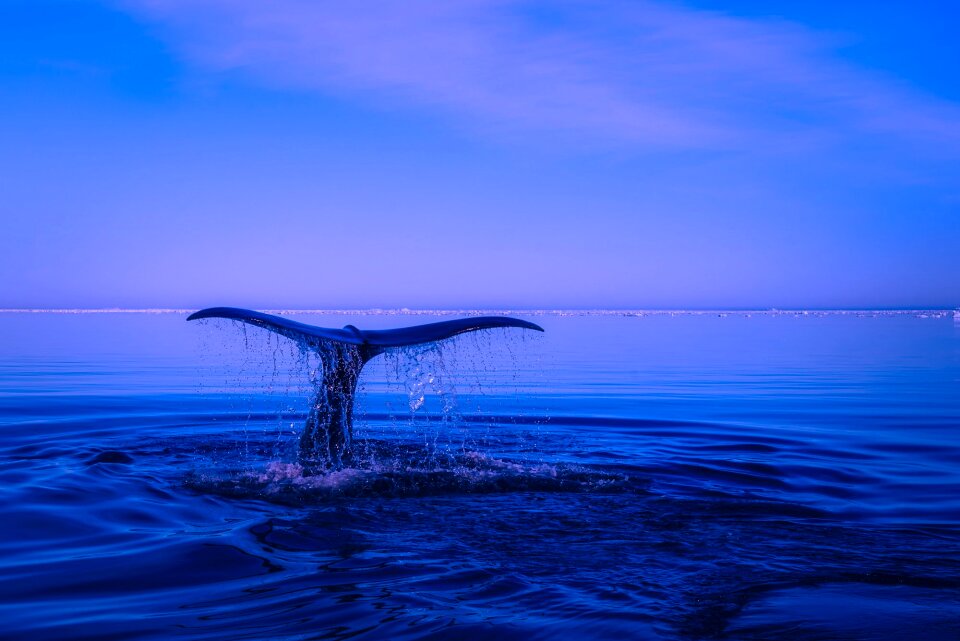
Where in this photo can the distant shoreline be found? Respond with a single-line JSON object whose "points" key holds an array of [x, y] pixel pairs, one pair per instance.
{"points": [[939, 312]]}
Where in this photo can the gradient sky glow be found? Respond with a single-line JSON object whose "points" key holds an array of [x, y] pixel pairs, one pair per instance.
{"points": [[479, 153]]}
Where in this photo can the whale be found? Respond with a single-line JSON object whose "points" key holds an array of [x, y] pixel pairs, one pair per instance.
{"points": [[327, 437]]}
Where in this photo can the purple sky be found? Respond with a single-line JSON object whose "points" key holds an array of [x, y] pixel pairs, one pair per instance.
{"points": [[483, 153]]}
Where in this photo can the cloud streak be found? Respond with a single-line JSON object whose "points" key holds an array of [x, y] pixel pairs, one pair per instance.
{"points": [[644, 74]]}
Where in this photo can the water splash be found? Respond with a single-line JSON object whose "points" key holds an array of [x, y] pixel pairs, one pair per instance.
{"points": [[405, 474], [428, 377]]}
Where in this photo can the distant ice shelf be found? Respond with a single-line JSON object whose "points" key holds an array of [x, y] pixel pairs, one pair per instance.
{"points": [[639, 313]]}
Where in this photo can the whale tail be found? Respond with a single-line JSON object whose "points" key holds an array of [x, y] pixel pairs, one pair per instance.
{"points": [[328, 435]]}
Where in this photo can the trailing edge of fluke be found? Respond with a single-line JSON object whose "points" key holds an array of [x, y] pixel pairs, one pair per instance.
{"points": [[328, 435], [375, 338]]}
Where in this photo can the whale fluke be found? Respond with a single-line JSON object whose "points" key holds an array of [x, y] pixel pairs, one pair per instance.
{"points": [[382, 338], [328, 434]]}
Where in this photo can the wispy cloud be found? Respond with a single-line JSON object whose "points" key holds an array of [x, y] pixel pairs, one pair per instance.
{"points": [[639, 73]]}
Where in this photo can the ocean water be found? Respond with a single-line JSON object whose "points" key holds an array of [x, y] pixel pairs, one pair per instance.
{"points": [[659, 476]]}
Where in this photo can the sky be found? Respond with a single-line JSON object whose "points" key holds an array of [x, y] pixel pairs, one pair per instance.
{"points": [[479, 154]]}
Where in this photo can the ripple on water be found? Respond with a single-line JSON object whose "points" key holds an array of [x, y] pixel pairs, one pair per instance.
{"points": [[849, 612]]}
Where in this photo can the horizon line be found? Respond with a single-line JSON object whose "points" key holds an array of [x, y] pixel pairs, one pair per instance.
{"points": [[495, 310]]}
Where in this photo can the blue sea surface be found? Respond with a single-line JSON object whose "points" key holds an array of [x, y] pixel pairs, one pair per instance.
{"points": [[652, 476]]}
